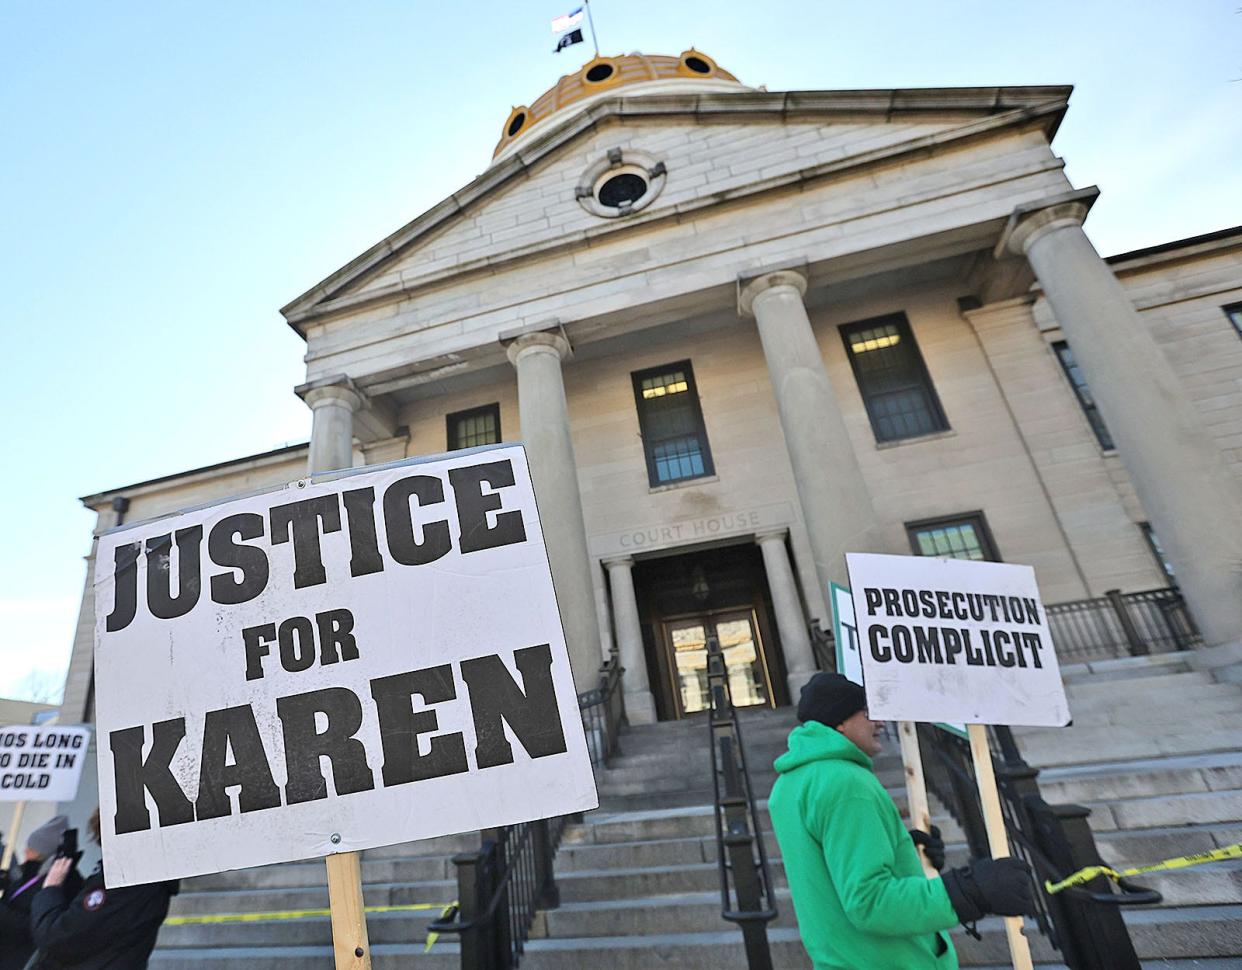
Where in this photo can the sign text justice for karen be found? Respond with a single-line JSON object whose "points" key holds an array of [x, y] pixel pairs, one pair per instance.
{"points": [[329, 667]]}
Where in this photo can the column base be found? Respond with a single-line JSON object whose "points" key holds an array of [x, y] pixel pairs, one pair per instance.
{"points": [[1223, 662], [640, 707], [796, 681]]}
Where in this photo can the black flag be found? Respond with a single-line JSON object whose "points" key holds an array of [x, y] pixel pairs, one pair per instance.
{"points": [[573, 37]]}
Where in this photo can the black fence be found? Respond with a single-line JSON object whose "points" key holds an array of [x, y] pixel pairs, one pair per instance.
{"points": [[1084, 924], [1122, 625], [603, 714], [747, 897], [500, 887]]}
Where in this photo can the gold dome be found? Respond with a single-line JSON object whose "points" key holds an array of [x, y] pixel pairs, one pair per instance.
{"points": [[604, 74]]}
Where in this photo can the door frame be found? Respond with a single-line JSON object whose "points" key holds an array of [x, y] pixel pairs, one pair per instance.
{"points": [[668, 654]]}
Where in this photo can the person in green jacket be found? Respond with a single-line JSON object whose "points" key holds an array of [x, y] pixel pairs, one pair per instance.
{"points": [[859, 891]]}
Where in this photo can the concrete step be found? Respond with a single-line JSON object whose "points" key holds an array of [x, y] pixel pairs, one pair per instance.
{"points": [[1127, 668], [1053, 747], [617, 883], [312, 874], [1152, 681], [439, 892], [1206, 705], [1143, 778], [384, 956], [310, 931], [1220, 807]]}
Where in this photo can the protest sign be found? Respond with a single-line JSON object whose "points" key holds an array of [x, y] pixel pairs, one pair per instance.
{"points": [[955, 640], [40, 763], [960, 641], [333, 665]]}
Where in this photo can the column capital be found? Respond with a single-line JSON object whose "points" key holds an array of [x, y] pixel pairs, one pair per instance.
{"points": [[626, 562], [536, 342], [1032, 220], [338, 389], [771, 535], [750, 285]]}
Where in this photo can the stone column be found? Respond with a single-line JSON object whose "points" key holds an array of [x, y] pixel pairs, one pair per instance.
{"points": [[791, 622], [639, 704], [1191, 497], [544, 416], [332, 424], [836, 504]]}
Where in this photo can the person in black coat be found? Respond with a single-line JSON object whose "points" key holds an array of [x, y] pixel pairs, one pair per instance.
{"points": [[16, 943], [97, 928]]}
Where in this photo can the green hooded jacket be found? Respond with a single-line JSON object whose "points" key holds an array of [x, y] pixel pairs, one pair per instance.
{"points": [[862, 900]]}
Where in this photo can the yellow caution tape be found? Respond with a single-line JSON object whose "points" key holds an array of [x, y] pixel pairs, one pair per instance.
{"points": [[1181, 862], [297, 914], [444, 914]]}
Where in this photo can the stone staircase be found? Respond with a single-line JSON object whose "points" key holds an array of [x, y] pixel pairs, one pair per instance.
{"points": [[1153, 751]]}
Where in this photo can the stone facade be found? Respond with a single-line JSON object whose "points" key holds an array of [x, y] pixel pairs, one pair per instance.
{"points": [[779, 218]]}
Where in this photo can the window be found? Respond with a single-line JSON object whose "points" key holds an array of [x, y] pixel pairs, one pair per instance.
{"points": [[1234, 313], [671, 424], [958, 537], [1157, 550], [1066, 356], [892, 379], [470, 429]]}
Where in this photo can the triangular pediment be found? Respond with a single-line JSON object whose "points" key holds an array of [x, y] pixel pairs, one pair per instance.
{"points": [[712, 149]]}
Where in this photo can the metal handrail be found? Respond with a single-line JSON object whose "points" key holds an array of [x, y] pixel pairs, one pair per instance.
{"points": [[740, 851], [603, 713]]}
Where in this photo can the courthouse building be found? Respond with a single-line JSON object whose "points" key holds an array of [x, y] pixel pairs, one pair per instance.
{"points": [[741, 332]]}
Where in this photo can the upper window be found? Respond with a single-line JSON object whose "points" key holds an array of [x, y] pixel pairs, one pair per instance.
{"points": [[892, 378], [957, 537], [1157, 550], [470, 429], [671, 423], [1234, 313], [1066, 356]]}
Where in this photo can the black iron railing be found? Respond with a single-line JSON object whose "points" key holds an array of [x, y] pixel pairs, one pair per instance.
{"points": [[1086, 926], [747, 897], [603, 714], [500, 887], [1122, 625]]}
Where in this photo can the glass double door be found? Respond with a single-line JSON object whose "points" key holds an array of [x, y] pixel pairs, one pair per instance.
{"points": [[738, 632]]}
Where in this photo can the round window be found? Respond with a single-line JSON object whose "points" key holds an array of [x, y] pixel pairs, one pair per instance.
{"points": [[622, 190], [599, 73], [515, 125], [698, 65]]}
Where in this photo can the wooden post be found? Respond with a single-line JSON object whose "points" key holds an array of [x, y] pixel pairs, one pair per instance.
{"points": [[916, 787], [349, 919], [998, 841], [10, 844]]}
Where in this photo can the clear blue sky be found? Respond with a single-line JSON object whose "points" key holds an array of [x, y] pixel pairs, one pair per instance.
{"points": [[173, 173]]}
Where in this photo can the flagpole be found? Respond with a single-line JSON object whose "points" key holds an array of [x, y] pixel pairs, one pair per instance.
{"points": [[591, 21]]}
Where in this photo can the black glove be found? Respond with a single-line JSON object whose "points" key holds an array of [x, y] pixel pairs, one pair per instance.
{"points": [[933, 845], [1001, 886]]}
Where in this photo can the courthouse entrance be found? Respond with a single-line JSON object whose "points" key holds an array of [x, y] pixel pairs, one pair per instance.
{"points": [[684, 599]]}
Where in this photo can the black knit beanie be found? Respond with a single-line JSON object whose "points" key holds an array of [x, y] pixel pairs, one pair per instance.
{"points": [[830, 699]]}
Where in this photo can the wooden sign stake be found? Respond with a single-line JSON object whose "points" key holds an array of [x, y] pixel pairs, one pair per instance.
{"points": [[349, 918], [916, 787], [998, 841], [10, 845]]}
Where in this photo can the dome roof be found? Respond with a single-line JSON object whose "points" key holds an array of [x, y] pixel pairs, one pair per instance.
{"points": [[603, 75]]}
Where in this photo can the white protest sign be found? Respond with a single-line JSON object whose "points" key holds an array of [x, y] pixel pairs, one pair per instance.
{"points": [[955, 640], [41, 763], [332, 666]]}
